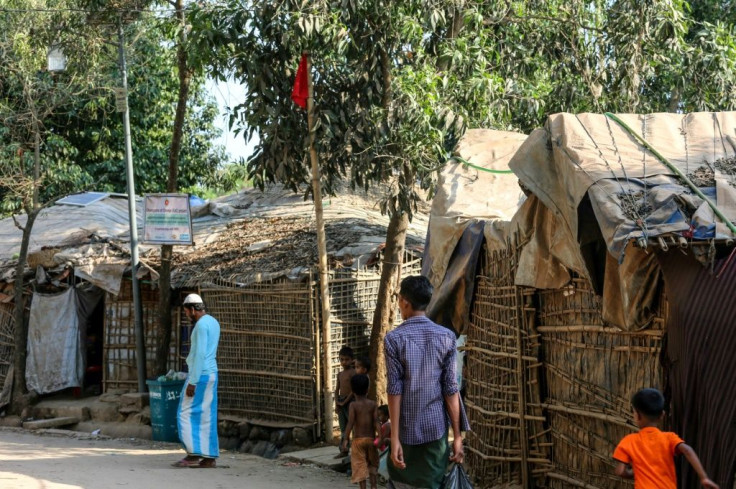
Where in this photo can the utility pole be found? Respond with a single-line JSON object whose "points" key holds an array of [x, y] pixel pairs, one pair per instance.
{"points": [[137, 306]]}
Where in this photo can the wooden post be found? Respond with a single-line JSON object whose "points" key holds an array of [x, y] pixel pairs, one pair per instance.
{"points": [[521, 372], [322, 251]]}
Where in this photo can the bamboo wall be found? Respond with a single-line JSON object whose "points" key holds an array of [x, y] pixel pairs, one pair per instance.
{"points": [[119, 347], [507, 446], [265, 356], [591, 373], [353, 298], [571, 381]]}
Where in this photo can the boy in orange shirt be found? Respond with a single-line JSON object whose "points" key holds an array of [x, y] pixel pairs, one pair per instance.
{"points": [[648, 456]]}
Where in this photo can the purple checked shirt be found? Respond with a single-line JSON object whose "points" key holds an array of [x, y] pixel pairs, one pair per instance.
{"points": [[420, 360]]}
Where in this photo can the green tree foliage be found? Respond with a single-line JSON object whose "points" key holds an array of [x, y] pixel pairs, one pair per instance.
{"points": [[396, 83], [30, 95], [82, 146]]}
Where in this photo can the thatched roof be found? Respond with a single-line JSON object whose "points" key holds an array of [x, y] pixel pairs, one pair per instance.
{"points": [[273, 234], [243, 237]]}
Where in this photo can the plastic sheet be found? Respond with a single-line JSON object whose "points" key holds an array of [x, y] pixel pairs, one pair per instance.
{"points": [[456, 478]]}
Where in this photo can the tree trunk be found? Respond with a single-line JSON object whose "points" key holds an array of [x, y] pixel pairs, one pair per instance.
{"points": [[20, 400], [164, 281], [383, 316]]}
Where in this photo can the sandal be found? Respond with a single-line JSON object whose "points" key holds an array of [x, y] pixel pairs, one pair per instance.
{"points": [[205, 463], [187, 462]]}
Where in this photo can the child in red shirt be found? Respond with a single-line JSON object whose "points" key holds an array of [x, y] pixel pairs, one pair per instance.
{"points": [[648, 456]]}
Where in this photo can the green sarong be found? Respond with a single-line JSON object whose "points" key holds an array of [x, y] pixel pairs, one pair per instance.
{"points": [[426, 464]]}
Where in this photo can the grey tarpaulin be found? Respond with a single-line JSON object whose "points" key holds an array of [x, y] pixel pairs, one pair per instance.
{"points": [[700, 364], [451, 299], [55, 359], [467, 199], [581, 157]]}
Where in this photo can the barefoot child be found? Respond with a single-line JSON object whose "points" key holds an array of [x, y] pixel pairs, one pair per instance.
{"points": [[344, 394], [384, 435], [363, 424], [362, 365], [648, 456]]}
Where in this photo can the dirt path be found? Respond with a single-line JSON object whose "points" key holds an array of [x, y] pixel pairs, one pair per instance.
{"points": [[33, 461]]}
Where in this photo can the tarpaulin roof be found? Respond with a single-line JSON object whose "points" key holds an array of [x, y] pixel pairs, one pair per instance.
{"points": [[476, 193], [633, 193], [593, 189]]}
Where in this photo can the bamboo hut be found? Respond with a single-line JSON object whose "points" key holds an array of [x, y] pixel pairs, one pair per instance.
{"points": [[612, 275], [88, 259], [258, 277]]}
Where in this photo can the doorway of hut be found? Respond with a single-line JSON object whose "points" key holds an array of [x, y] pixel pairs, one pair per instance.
{"points": [[91, 313]]}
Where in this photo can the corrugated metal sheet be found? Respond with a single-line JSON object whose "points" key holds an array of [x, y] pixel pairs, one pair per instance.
{"points": [[699, 358]]}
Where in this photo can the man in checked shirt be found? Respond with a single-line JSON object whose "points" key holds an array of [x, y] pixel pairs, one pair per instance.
{"points": [[423, 396]]}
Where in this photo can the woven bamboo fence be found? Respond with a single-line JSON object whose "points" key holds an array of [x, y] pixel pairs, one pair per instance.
{"points": [[266, 352], [508, 445], [353, 298], [7, 340], [592, 371], [119, 347], [267, 357]]}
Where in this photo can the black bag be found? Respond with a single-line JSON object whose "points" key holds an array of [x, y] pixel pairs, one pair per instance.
{"points": [[456, 478]]}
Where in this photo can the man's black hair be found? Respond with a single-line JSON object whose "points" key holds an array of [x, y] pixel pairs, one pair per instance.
{"points": [[359, 384], [417, 291], [384, 409], [346, 351], [649, 403], [365, 362]]}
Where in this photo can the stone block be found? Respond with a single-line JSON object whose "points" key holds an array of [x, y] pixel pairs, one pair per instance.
{"points": [[229, 442], [41, 411], [109, 397], [246, 447], [228, 428], [50, 423], [143, 417], [301, 437], [136, 399], [281, 437], [260, 448], [259, 433], [105, 412], [11, 421], [244, 430]]}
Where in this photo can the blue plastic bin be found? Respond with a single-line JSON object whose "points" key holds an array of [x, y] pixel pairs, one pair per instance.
{"points": [[164, 400]]}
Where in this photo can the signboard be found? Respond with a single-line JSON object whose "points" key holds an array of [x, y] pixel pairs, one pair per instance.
{"points": [[167, 219], [121, 99]]}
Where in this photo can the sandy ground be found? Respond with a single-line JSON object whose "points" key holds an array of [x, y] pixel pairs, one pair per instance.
{"points": [[48, 461]]}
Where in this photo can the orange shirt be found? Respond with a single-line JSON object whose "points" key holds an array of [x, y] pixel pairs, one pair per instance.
{"points": [[651, 453]]}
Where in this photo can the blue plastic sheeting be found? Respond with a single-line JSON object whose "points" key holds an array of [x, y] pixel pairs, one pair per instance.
{"points": [[635, 208]]}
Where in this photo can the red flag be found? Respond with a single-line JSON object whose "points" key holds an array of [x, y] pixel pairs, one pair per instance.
{"points": [[300, 93]]}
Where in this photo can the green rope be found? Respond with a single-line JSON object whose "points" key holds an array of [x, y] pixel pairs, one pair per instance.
{"points": [[676, 170], [479, 168]]}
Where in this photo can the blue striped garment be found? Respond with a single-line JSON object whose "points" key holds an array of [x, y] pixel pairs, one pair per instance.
{"points": [[197, 418], [420, 363]]}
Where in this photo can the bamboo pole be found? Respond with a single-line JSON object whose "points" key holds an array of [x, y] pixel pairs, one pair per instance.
{"points": [[322, 252], [521, 380], [317, 360]]}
